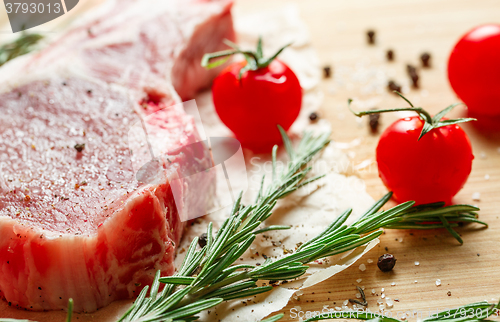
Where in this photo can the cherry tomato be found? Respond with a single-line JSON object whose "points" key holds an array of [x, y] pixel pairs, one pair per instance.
{"points": [[474, 70], [254, 105], [431, 169]]}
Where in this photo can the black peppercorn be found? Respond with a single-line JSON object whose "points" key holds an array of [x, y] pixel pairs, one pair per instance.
{"points": [[426, 59], [371, 37], [412, 72], [390, 55], [410, 69], [79, 147], [313, 117], [327, 72], [373, 122], [386, 262], [414, 80], [202, 241], [393, 86]]}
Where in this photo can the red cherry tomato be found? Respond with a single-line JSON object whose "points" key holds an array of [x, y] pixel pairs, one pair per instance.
{"points": [[254, 105], [431, 169], [474, 70]]}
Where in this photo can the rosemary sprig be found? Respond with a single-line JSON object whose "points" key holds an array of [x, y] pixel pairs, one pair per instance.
{"points": [[476, 312], [22, 45], [208, 276]]}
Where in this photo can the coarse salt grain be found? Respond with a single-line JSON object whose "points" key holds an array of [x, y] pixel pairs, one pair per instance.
{"points": [[382, 290], [486, 177], [359, 280], [417, 263], [476, 196], [416, 281], [358, 295], [338, 308], [362, 267], [345, 302], [393, 284], [373, 291], [369, 261], [383, 296], [438, 282], [400, 239], [389, 303]]}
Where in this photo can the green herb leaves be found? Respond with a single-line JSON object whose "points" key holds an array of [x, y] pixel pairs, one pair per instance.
{"points": [[22, 45], [208, 275]]}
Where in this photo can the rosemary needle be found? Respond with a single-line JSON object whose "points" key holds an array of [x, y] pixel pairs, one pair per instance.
{"points": [[70, 310], [363, 297]]}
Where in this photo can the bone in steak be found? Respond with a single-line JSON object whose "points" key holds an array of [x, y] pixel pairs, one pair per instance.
{"points": [[78, 224]]}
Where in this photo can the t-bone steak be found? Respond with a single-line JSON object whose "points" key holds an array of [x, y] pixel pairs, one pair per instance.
{"points": [[74, 220]]}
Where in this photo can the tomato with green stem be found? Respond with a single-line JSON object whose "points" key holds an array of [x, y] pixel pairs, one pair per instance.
{"points": [[423, 158], [252, 97]]}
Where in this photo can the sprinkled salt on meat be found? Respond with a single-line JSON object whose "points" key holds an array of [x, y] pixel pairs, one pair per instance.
{"points": [[75, 219]]}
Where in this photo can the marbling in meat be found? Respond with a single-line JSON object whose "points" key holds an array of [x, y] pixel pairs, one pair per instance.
{"points": [[78, 224]]}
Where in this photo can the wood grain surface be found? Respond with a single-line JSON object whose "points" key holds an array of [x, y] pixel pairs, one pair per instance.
{"points": [[338, 30]]}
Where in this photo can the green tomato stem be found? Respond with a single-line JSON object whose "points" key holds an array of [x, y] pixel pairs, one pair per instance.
{"points": [[255, 59], [430, 123]]}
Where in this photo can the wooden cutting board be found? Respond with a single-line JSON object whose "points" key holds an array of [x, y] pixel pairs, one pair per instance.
{"points": [[468, 273]]}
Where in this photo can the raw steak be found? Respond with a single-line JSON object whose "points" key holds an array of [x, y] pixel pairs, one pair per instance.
{"points": [[78, 224]]}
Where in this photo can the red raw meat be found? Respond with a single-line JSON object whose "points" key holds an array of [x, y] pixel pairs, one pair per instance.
{"points": [[77, 224]]}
